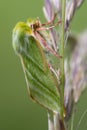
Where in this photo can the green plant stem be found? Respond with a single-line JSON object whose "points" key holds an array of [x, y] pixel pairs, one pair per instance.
{"points": [[62, 59]]}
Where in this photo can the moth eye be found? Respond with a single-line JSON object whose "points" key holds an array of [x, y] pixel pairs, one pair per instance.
{"points": [[31, 26]]}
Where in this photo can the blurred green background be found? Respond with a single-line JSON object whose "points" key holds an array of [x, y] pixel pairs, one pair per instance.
{"points": [[17, 111]]}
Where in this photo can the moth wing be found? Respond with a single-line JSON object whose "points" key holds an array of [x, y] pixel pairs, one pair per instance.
{"points": [[41, 86]]}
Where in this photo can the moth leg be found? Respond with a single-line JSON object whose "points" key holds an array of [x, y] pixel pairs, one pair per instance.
{"points": [[51, 21], [43, 41], [48, 28]]}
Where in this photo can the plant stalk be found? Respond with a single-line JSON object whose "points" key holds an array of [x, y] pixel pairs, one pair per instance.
{"points": [[50, 121], [58, 123], [62, 59]]}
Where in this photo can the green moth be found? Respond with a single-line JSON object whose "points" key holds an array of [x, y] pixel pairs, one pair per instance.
{"points": [[29, 43]]}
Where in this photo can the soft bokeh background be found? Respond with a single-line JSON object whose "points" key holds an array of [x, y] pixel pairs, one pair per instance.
{"points": [[17, 111]]}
